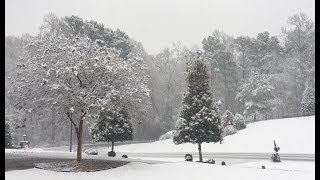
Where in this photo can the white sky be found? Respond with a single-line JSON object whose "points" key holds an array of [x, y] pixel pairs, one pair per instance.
{"points": [[158, 23]]}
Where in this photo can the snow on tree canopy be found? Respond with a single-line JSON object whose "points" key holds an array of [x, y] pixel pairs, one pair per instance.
{"points": [[238, 117], [74, 80], [257, 94]]}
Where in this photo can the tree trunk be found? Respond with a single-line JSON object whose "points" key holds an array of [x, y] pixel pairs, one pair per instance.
{"points": [[53, 130], [200, 153], [112, 146], [243, 66], [79, 136], [226, 94], [70, 136]]}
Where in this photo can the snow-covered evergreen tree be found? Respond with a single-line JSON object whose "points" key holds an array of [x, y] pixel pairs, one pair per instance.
{"points": [[113, 125], [199, 120], [239, 122], [8, 137], [228, 123], [257, 95], [227, 118], [308, 102]]}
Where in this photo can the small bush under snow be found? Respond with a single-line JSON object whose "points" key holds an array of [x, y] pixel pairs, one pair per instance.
{"points": [[188, 157], [91, 151], [111, 154], [168, 135], [227, 118], [210, 161], [229, 130], [239, 122]]}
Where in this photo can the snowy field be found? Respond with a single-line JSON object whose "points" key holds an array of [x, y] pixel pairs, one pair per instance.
{"points": [[293, 135], [180, 170]]}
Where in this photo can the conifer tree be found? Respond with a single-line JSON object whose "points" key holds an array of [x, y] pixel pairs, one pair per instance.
{"points": [[199, 120], [308, 105], [8, 137], [113, 125], [227, 118], [239, 122]]}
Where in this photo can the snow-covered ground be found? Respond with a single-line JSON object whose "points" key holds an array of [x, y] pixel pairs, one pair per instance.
{"points": [[180, 170], [293, 135], [302, 166]]}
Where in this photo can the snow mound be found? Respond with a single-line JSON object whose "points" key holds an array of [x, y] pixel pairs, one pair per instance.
{"points": [[168, 135]]}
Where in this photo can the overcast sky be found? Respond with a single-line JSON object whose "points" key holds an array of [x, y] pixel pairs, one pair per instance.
{"points": [[158, 23]]}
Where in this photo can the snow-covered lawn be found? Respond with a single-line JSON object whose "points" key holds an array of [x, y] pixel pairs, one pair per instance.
{"points": [[293, 135], [168, 171], [302, 166]]}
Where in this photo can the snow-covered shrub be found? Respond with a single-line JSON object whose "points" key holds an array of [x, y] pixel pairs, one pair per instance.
{"points": [[254, 117], [188, 157], [91, 151], [111, 154], [229, 130], [240, 125], [168, 135], [227, 118], [238, 117], [239, 122], [308, 102], [124, 156], [210, 161]]}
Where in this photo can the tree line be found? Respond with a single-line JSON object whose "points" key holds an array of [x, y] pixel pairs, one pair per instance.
{"points": [[79, 66]]}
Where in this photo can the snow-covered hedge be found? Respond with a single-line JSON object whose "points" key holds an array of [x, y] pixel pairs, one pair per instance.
{"points": [[229, 129], [168, 135]]}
